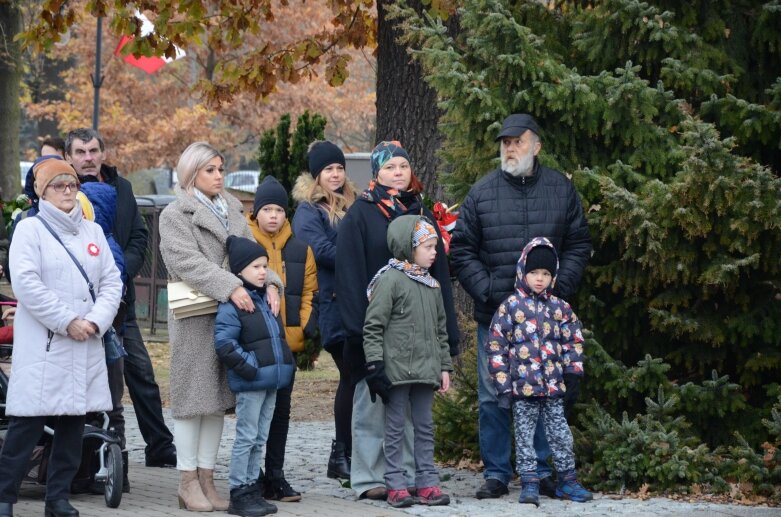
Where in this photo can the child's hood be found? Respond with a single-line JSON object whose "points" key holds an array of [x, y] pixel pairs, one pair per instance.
{"points": [[104, 202], [520, 268], [399, 236]]}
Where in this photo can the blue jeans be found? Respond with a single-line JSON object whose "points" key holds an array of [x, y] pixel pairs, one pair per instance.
{"points": [[494, 425], [254, 411]]}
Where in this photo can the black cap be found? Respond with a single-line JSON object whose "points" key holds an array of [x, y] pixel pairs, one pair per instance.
{"points": [[541, 257], [517, 124], [270, 192], [241, 252], [322, 154]]}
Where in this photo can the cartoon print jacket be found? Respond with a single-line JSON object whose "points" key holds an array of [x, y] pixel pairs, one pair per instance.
{"points": [[533, 340]]}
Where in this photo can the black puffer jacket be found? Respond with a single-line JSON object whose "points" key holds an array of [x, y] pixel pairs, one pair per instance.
{"points": [[361, 250], [499, 216]]}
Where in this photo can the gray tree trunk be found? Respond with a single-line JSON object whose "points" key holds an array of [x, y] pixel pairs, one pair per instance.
{"points": [[10, 111], [406, 106], [51, 88]]}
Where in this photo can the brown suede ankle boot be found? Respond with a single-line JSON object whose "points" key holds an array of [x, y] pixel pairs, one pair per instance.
{"points": [[206, 479], [190, 494]]}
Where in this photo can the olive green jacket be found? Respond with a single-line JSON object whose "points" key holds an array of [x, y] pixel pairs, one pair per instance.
{"points": [[405, 322]]}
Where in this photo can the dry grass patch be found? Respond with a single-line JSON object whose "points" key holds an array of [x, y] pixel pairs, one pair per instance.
{"points": [[313, 392]]}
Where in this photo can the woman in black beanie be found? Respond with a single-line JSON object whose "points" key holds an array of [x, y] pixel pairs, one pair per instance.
{"points": [[324, 194]]}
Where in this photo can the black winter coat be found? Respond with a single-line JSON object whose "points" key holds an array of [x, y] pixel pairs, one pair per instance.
{"points": [[361, 250], [499, 216]]}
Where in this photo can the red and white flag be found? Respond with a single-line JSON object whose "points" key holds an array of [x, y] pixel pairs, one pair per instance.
{"points": [[149, 64]]}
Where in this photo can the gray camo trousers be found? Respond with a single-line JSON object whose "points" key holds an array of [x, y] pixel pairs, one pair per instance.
{"points": [[526, 413]]}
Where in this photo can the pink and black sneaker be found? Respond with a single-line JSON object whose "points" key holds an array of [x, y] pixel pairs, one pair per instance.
{"points": [[400, 498], [432, 496]]}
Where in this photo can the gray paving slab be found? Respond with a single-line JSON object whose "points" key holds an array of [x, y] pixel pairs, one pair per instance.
{"points": [[153, 490]]}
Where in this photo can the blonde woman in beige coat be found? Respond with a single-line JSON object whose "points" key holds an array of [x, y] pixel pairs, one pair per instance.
{"points": [[193, 232]]}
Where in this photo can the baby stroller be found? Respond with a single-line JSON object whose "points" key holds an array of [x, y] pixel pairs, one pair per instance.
{"points": [[101, 458]]}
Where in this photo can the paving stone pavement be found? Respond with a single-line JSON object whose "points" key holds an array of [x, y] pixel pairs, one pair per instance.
{"points": [[153, 490]]}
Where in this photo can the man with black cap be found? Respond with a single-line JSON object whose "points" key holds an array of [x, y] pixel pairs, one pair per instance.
{"points": [[501, 213]]}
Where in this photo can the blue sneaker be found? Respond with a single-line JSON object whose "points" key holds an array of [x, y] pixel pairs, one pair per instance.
{"points": [[569, 488], [530, 489]]}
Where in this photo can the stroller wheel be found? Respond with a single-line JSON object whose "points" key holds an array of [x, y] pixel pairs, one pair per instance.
{"points": [[113, 487]]}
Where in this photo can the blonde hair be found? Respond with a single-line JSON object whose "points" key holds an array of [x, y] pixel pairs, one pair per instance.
{"points": [[193, 159], [308, 190]]}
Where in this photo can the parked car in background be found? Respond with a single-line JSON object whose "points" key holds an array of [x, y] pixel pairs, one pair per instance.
{"points": [[359, 168], [24, 167], [246, 181]]}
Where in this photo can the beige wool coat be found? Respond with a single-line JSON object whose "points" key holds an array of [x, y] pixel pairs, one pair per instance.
{"points": [[192, 244]]}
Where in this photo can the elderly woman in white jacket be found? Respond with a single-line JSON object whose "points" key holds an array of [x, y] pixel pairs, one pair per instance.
{"points": [[59, 365]]}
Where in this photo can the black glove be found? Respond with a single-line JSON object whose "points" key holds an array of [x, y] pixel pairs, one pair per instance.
{"points": [[378, 382], [572, 382], [505, 401]]}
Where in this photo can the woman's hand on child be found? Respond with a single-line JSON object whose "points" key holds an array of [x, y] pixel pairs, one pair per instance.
{"points": [[272, 297], [444, 384], [242, 299]]}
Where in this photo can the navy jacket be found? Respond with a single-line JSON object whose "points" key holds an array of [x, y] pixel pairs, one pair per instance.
{"points": [[252, 346], [311, 225], [499, 216], [534, 340]]}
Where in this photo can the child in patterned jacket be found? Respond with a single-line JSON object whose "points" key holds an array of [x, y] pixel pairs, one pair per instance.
{"points": [[534, 350]]}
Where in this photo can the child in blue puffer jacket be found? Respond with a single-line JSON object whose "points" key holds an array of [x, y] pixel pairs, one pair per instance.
{"points": [[252, 346], [535, 357]]}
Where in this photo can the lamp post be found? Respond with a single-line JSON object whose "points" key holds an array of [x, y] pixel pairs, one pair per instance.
{"points": [[97, 78]]}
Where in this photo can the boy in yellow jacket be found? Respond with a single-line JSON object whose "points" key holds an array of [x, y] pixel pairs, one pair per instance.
{"points": [[294, 261]]}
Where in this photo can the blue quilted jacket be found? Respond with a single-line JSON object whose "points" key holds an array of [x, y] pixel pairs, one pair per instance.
{"points": [[252, 346]]}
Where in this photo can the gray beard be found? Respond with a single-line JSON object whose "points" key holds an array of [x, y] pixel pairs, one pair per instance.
{"points": [[522, 167]]}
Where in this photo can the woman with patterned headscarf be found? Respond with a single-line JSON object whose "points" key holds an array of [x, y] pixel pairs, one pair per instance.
{"points": [[361, 250]]}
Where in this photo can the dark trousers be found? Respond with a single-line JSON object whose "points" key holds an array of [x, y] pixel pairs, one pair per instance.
{"points": [[277, 433], [20, 440], [145, 394], [343, 403], [116, 385]]}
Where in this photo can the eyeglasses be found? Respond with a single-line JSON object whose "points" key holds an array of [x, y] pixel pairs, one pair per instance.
{"points": [[60, 187]]}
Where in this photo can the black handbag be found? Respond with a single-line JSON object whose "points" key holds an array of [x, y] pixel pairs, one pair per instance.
{"points": [[111, 342]]}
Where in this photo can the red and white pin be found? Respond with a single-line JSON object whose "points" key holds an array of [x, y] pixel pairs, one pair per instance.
{"points": [[93, 249]]}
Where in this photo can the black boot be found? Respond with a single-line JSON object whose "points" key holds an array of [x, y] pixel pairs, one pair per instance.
{"points": [[60, 508], [125, 480], [338, 465], [243, 502], [6, 510], [276, 488], [262, 502]]}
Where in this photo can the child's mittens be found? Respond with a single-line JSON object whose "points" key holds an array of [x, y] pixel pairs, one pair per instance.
{"points": [[572, 382], [378, 382], [505, 401]]}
